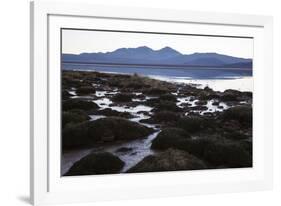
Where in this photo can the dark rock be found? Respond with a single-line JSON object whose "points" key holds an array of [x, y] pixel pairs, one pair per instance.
{"points": [[169, 160], [194, 124], [242, 114], [79, 104], [114, 82], [195, 147], [248, 94], [109, 129], [216, 103], [197, 108], [65, 94], [74, 116], [76, 136], [136, 85], [227, 155], [122, 97], [201, 102], [188, 90], [232, 91], [169, 137], [192, 98], [156, 91], [230, 95], [165, 116], [124, 149], [85, 90], [71, 81], [152, 102], [209, 114], [112, 113], [185, 104], [208, 89], [141, 96], [216, 153], [167, 106], [168, 97], [208, 95], [96, 163], [213, 96], [144, 113], [247, 144], [236, 135]]}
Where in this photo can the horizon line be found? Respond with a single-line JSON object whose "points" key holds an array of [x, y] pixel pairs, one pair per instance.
{"points": [[226, 66]]}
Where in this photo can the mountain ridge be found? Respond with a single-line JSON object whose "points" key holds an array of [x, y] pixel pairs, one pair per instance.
{"points": [[164, 56]]}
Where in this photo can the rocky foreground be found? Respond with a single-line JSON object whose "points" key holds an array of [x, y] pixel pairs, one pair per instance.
{"points": [[181, 126]]}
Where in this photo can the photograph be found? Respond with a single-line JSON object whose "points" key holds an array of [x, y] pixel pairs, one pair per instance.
{"points": [[143, 101]]}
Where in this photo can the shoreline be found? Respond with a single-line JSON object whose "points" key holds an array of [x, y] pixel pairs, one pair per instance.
{"points": [[131, 108], [225, 82]]}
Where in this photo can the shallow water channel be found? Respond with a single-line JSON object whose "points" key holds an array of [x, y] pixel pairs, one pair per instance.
{"points": [[131, 152]]}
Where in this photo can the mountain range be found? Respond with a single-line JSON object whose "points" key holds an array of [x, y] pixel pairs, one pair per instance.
{"points": [[166, 56]]}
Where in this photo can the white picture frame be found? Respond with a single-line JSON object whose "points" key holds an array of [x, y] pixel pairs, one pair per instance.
{"points": [[47, 18]]}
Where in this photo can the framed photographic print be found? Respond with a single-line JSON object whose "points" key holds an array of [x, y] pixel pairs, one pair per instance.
{"points": [[127, 105]]}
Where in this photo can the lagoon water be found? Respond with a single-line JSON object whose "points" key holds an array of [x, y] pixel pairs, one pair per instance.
{"points": [[242, 83], [219, 79]]}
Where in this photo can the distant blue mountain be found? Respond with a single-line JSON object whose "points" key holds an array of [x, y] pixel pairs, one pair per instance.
{"points": [[240, 65], [164, 56]]}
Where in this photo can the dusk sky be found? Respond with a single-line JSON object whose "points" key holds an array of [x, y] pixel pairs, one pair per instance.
{"points": [[79, 41]]}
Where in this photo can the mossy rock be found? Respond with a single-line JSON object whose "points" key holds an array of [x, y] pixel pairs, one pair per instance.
{"points": [[120, 128], [79, 104], [242, 114], [152, 102], [248, 94], [201, 102], [247, 144], [112, 113], [74, 116], [71, 82], [198, 108], [169, 138], [218, 153], [156, 91], [136, 85], [96, 163], [208, 95], [165, 116], [236, 135], [169, 160], [167, 106], [109, 129], [230, 95], [122, 97], [193, 124], [228, 155], [168, 97], [195, 147], [85, 90], [228, 98]]}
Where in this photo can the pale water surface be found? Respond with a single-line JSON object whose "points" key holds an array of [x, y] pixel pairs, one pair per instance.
{"points": [[244, 84], [218, 79]]}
